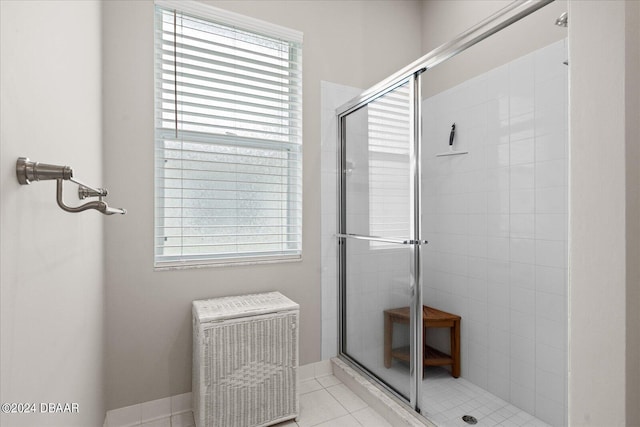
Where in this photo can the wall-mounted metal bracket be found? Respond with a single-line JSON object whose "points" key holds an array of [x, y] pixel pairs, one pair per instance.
{"points": [[28, 172]]}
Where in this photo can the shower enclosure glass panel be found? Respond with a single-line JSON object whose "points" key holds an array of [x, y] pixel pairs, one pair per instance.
{"points": [[468, 151], [377, 207]]}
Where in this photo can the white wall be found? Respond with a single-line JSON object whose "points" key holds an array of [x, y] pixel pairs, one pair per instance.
{"points": [[148, 334], [51, 269], [604, 232]]}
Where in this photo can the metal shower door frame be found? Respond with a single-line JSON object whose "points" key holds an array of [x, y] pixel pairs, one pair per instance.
{"points": [[413, 241], [412, 74]]}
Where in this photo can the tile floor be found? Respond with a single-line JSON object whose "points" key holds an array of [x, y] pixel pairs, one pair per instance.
{"points": [[324, 402]]}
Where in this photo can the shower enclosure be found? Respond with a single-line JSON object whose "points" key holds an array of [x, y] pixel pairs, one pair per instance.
{"points": [[425, 219]]}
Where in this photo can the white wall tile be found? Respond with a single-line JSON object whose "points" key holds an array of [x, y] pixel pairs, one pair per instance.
{"points": [[499, 339], [551, 146], [499, 385], [551, 279], [498, 271], [498, 131], [523, 373], [551, 253], [522, 348], [498, 82], [551, 385], [498, 179], [522, 300], [522, 127], [498, 225], [522, 176], [551, 227], [522, 152], [548, 62], [523, 324], [523, 250], [551, 200], [522, 275], [551, 306], [497, 156], [523, 397], [477, 289], [552, 173], [498, 248], [477, 267], [498, 294], [552, 120], [550, 333], [498, 202], [551, 359], [521, 86], [549, 411], [522, 202]]}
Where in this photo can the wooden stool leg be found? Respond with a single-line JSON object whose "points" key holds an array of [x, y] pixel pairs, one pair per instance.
{"points": [[388, 339], [455, 349]]}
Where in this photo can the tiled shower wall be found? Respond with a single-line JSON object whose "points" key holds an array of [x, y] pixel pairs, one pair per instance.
{"points": [[496, 221]]}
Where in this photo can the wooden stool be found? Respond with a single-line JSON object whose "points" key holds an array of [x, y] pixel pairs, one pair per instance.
{"points": [[432, 318]]}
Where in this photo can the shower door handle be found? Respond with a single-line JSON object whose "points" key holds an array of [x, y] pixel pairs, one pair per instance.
{"points": [[382, 239]]}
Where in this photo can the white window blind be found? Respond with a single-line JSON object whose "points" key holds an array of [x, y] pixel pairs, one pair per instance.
{"points": [[228, 138], [389, 165]]}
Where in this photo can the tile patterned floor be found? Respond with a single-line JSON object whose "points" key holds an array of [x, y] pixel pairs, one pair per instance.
{"points": [[324, 402]]}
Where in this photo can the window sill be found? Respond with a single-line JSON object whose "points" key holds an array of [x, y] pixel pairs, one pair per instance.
{"points": [[187, 265]]}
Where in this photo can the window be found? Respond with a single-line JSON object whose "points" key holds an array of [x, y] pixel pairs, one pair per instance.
{"points": [[228, 138]]}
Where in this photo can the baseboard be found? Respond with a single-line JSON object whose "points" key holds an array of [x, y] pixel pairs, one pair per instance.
{"points": [[135, 415]]}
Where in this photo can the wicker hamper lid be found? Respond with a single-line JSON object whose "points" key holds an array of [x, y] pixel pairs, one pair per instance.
{"points": [[241, 306]]}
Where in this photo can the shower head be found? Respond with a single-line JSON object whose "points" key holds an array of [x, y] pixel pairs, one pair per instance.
{"points": [[563, 20]]}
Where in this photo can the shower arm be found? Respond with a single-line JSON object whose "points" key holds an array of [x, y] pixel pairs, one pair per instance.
{"points": [[28, 171]]}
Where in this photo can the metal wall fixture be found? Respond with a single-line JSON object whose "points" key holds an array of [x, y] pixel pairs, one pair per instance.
{"points": [[28, 172], [563, 20]]}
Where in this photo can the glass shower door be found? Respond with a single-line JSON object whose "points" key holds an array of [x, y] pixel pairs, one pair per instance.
{"points": [[376, 257]]}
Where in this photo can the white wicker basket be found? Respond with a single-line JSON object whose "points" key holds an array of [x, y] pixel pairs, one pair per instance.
{"points": [[245, 360]]}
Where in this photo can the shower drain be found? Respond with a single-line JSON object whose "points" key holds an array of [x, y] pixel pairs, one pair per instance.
{"points": [[469, 419]]}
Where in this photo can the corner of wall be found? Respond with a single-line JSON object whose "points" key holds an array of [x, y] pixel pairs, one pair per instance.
{"points": [[632, 91]]}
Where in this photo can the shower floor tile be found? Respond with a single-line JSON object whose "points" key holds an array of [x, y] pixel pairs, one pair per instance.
{"points": [[470, 399], [446, 399]]}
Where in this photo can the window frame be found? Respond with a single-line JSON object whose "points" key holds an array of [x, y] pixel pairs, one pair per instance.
{"points": [[293, 180]]}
